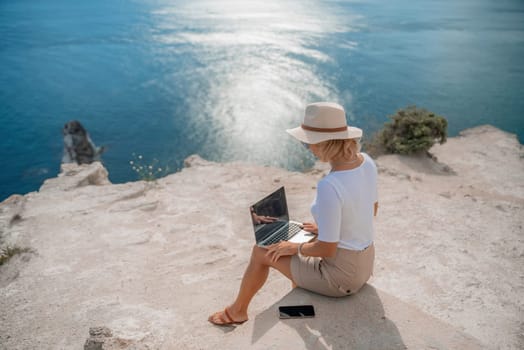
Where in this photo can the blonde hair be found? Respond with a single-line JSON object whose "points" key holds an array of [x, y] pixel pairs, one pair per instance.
{"points": [[338, 149]]}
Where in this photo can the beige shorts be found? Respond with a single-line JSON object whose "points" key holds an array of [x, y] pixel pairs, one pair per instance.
{"points": [[339, 276]]}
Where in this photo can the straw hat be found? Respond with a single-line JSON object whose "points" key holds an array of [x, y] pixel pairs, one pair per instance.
{"points": [[324, 121]]}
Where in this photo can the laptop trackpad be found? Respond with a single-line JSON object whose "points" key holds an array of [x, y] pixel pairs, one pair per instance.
{"points": [[302, 236]]}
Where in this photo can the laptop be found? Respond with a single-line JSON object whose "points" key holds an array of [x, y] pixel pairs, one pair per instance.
{"points": [[271, 222]]}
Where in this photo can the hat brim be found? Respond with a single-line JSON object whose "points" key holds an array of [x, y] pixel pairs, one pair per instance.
{"points": [[313, 137]]}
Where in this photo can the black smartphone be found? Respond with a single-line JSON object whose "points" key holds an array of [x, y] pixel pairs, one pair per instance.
{"points": [[296, 311]]}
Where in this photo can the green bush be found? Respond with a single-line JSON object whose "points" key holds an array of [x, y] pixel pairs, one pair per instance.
{"points": [[411, 130]]}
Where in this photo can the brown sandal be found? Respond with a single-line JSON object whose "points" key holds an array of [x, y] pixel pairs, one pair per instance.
{"points": [[224, 319]]}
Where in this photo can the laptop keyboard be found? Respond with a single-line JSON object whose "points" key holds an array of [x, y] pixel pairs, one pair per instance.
{"points": [[284, 234]]}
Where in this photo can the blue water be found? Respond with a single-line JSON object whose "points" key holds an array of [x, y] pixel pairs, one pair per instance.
{"points": [[166, 79]]}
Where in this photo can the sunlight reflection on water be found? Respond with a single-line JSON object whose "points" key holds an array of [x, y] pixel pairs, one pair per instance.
{"points": [[260, 64]]}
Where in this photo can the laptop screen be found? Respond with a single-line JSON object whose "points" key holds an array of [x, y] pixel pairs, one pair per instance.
{"points": [[269, 214]]}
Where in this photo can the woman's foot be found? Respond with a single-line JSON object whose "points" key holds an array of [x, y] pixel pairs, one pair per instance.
{"points": [[226, 317]]}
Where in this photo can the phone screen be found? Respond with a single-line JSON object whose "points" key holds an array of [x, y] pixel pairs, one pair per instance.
{"points": [[296, 311]]}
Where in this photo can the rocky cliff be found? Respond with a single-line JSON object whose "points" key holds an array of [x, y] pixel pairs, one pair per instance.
{"points": [[149, 261]]}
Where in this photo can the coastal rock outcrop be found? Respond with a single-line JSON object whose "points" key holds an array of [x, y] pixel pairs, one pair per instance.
{"points": [[72, 176], [151, 260]]}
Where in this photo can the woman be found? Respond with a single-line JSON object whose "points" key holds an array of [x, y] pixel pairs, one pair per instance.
{"points": [[340, 261]]}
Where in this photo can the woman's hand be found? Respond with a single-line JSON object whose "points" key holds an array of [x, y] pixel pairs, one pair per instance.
{"points": [[280, 249], [310, 227]]}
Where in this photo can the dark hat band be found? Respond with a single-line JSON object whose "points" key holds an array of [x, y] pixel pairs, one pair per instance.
{"points": [[311, 128]]}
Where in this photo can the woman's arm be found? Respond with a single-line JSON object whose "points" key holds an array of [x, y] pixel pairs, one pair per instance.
{"points": [[319, 248], [315, 248]]}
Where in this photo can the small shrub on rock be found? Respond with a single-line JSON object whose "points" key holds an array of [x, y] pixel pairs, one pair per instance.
{"points": [[411, 130], [147, 171], [8, 252]]}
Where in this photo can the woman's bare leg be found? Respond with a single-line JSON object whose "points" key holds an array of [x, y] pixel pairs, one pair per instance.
{"points": [[254, 278]]}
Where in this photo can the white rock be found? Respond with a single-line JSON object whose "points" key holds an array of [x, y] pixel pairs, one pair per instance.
{"points": [[153, 260]]}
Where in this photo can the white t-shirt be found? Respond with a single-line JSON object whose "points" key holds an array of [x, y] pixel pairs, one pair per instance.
{"points": [[344, 205]]}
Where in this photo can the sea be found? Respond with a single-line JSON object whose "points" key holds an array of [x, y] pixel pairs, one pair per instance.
{"points": [[154, 81]]}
